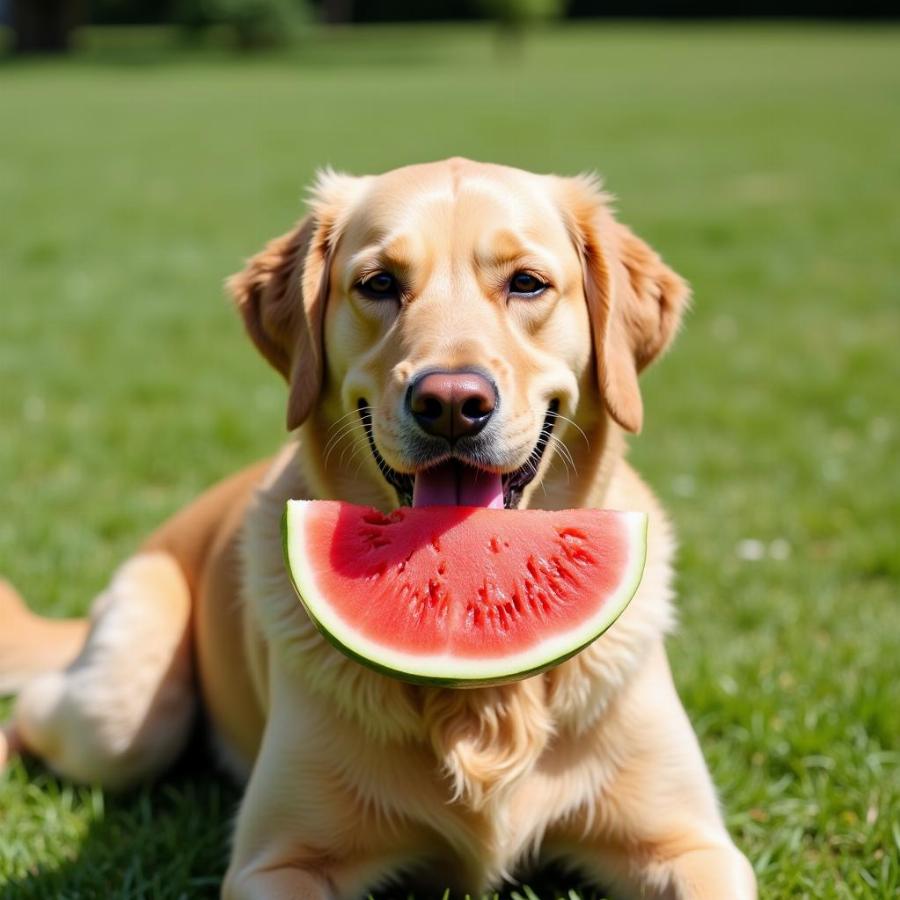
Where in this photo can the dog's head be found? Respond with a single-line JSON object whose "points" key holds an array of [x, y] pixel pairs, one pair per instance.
{"points": [[454, 324]]}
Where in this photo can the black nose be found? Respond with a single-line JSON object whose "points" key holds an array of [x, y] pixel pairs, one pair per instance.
{"points": [[452, 405]]}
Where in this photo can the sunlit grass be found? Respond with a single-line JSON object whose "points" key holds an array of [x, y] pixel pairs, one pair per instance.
{"points": [[762, 162]]}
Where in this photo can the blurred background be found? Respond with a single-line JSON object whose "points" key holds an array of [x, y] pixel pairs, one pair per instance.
{"points": [[148, 148], [57, 26]]}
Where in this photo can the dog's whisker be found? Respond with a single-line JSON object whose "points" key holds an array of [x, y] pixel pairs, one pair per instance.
{"points": [[565, 457], [348, 420], [576, 426], [564, 452], [359, 457], [351, 444], [347, 415], [336, 429], [341, 440], [356, 454], [334, 435], [555, 446], [343, 421], [345, 432]]}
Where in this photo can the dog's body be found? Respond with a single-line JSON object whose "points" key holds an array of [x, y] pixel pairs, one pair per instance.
{"points": [[355, 777]]}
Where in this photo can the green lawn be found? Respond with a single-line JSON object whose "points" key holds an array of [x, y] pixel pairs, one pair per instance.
{"points": [[764, 162]]}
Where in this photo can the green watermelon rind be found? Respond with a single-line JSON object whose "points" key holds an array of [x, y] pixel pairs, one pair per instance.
{"points": [[447, 671]]}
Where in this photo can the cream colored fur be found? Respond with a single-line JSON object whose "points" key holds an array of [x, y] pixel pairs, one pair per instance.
{"points": [[354, 777]]}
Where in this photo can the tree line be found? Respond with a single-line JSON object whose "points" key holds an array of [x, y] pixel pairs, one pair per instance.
{"points": [[47, 26]]}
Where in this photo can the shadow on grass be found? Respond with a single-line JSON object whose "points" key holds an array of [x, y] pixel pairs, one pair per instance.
{"points": [[536, 884], [166, 839], [170, 839]]}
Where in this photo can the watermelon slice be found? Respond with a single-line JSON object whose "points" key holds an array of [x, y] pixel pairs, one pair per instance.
{"points": [[462, 596]]}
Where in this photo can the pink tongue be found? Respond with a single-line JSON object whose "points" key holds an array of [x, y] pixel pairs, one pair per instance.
{"points": [[453, 484]]}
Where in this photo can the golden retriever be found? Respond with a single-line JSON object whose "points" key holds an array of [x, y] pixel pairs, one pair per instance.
{"points": [[431, 324]]}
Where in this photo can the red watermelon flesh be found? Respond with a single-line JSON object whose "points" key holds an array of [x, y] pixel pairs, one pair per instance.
{"points": [[462, 595]]}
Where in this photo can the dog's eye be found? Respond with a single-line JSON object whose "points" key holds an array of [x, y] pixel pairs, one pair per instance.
{"points": [[380, 286], [524, 284]]}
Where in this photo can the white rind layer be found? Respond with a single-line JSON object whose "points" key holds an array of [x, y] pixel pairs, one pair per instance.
{"points": [[447, 667]]}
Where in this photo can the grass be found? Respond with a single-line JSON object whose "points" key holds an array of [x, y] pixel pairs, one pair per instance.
{"points": [[762, 161]]}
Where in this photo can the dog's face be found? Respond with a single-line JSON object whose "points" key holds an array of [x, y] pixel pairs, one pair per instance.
{"points": [[457, 326], [453, 319]]}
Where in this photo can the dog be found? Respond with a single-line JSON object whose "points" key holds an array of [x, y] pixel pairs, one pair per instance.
{"points": [[429, 323]]}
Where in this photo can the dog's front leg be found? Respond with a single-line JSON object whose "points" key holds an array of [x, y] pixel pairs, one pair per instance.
{"points": [[655, 831], [276, 884], [305, 828], [288, 834], [711, 873], [291, 828]]}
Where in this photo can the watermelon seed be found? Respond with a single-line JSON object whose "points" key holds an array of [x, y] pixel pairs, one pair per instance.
{"points": [[529, 596], [562, 571], [376, 518], [572, 543], [373, 538]]}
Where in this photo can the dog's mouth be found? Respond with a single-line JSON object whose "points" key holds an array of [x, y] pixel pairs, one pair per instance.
{"points": [[456, 482]]}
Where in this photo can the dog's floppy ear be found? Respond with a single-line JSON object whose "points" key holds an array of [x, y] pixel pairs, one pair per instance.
{"points": [[634, 299], [281, 293]]}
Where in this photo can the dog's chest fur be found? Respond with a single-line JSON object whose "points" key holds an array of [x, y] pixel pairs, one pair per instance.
{"points": [[485, 785], [484, 770]]}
